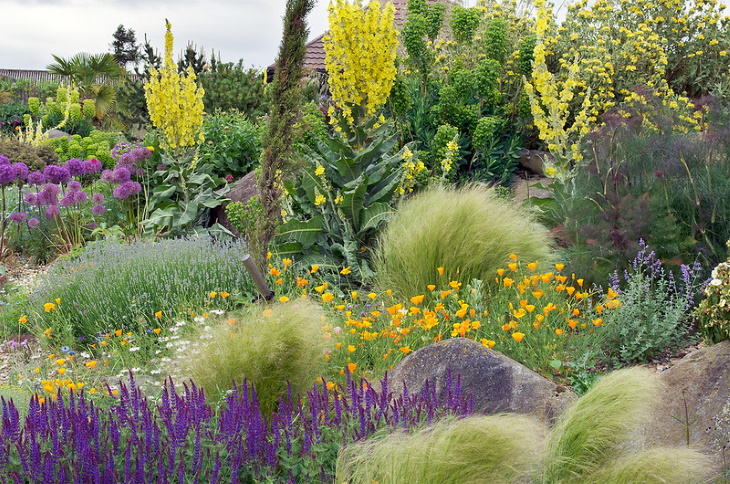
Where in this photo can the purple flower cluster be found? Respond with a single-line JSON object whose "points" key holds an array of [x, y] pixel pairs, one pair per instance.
{"points": [[71, 440], [10, 172]]}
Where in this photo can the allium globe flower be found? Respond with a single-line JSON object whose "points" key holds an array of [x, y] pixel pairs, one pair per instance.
{"points": [[36, 178], [74, 186], [48, 195], [127, 189], [57, 174], [92, 165], [17, 217], [52, 211], [67, 200], [4, 160], [75, 167], [97, 198], [98, 210], [7, 174], [33, 222], [107, 176], [31, 198], [21, 170], [121, 174], [80, 196]]}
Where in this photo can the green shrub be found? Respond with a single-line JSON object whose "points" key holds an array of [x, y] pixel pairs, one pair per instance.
{"points": [[232, 144], [271, 348], [713, 311], [589, 444], [11, 116], [36, 157], [469, 231], [98, 144], [113, 285]]}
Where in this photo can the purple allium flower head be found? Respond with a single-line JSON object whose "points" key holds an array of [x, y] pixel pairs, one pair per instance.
{"points": [[18, 216], [97, 198], [161, 167], [98, 210], [49, 194], [107, 176], [80, 196], [127, 189], [31, 199], [67, 200], [4, 160], [52, 211], [21, 170], [7, 174], [74, 186], [33, 222], [57, 174], [75, 167], [92, 165], [36, 178], [140, 154], [121, 174]]}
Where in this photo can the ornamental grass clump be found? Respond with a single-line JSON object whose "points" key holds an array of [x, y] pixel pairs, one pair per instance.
{"points": [[135, 287], [267, 347], [590, 443], [468, 231]]}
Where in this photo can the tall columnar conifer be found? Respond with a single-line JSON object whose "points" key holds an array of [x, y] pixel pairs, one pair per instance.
{"points": [[284, 113]]}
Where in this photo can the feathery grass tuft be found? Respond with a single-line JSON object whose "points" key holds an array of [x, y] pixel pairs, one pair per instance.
{"points": [[499, 448], [266, 346], [596, 428], [658, 466], [468, 231]]}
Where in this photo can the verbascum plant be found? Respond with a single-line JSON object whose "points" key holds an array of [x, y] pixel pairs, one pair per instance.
{"points": [[588, 445], [360, 55], [175, 102]]}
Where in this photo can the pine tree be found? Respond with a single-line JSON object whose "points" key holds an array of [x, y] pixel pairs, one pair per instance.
{"points": [[125, 46]]}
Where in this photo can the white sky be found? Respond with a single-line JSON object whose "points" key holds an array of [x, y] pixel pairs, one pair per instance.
{"points": [[32, 30]]}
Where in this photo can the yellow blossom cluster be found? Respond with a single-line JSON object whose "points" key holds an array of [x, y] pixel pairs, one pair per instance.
{"points": [[175, 102], [360, 57]]}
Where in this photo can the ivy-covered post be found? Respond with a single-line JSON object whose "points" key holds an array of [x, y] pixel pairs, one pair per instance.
{"points": [[284, 113]]}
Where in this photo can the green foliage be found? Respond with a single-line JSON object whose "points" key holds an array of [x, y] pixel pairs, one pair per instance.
{"points": [[36, 157], [464, 22], [230, 86], [654, 315], [232, 144], [470, 232], [421, 27], [342, 199], [245, 218], [589, 444], [270, 348], [713, 312], [98, 144], [312, 126], [11, 116], [502, 447], [112, 285]]}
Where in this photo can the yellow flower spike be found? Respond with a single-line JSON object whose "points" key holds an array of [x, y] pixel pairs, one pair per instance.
{"points": [[23, 319], [345, 271], [517, 336], [283, 299], [440, 270], [48, 307], [224, 294]]}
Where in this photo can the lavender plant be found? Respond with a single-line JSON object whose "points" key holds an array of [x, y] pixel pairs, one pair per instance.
{"points": [[182, 438], [655, 312]]}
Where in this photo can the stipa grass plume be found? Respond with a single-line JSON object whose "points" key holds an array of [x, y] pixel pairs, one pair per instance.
{"points": [[268, 347], [468, 231], [497, 448]]}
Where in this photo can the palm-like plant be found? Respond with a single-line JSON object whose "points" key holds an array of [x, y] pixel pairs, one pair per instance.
{"points": [[93, 75]]}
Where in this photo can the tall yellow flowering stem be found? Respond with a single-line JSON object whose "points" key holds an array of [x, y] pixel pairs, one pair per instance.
{"points": [[360, 55], [550, 110], [175, 102]]}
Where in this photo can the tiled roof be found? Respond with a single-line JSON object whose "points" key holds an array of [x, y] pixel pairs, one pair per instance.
{"points": [[314, 57]]}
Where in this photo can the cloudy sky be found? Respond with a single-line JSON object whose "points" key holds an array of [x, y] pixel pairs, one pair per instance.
{"points": [[32, 30]]}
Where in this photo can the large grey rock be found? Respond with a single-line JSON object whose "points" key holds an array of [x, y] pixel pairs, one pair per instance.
{"points": [[701, 381], [57, 133], [533, 160], [241, 191], [497, 383]]}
